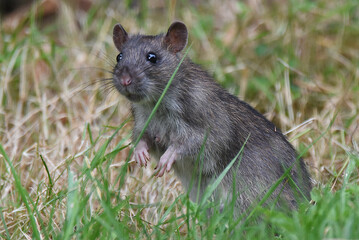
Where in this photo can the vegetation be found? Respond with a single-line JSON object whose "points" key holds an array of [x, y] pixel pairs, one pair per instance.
{"points": [[65, 170]]}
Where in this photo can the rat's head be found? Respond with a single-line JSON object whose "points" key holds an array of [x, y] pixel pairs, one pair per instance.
{"points": [[146, 63]]}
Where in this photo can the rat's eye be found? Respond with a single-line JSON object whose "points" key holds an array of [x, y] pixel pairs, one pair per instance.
{"points": [[151, 57], [119, 57]]}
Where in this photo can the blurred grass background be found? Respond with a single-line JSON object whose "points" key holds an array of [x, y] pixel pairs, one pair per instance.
{"points": [[297, 62]]}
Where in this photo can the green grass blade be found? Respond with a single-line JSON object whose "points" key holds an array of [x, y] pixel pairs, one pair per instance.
{"points": [[75, 203], [199, 161], [5, 225], [119, 147], [161, 97], [99, 157], [352, 161], [88, 128], [211, 188], [23, 193], [167, 212], [49, 192], [49, 228], [116, 226]]}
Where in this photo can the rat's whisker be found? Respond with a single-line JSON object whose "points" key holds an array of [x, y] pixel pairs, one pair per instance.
{"points": [[92, 68], [109, 60]]}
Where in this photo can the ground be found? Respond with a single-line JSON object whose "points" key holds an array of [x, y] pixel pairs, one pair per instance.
{"points": [[65, 131]]}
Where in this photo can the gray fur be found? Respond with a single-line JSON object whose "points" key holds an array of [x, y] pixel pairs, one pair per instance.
{"points": [[195, 105]]}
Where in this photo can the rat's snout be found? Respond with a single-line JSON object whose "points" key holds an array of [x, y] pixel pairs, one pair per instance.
{"points": [[125, 77], [125, 80]]}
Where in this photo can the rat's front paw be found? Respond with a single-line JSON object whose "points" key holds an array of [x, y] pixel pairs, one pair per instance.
{"points": [[166, 161], [141, 153]]}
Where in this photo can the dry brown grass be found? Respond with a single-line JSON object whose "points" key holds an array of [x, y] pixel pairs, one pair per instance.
{"points": [[300, 69]]}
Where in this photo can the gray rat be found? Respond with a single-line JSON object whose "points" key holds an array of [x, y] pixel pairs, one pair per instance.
{"points": [[196, 108]]}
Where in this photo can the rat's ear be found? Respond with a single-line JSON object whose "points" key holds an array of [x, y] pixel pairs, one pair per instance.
{"points": [[176, 37], [119, 36]]}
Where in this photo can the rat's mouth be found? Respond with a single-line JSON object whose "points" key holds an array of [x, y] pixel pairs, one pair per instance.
{"points": [[129, 92], [132, 97]]}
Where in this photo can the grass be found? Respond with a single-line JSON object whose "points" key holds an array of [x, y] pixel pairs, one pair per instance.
{"points": [[65, 134]]}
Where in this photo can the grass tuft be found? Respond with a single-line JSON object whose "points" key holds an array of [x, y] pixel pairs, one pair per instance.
{"points": [[65, 170]]}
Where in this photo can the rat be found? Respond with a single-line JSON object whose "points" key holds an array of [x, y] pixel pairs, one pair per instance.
{"points": [[196, 111]]}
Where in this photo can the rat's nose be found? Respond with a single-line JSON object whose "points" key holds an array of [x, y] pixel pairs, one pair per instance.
{"points": [[125, 80]]}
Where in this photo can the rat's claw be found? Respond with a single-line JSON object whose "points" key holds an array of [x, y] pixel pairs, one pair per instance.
{"points": [[141, 159], [141, 153], [166, 161]]}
